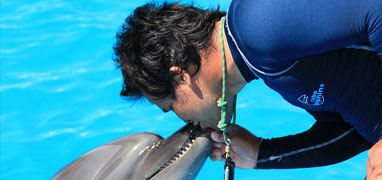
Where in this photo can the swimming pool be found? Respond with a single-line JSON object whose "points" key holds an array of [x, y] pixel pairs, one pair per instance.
{"points": [[60, 94]]}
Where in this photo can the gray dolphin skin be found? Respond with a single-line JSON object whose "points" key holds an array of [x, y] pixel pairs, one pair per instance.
{"points": [[144, 156]]}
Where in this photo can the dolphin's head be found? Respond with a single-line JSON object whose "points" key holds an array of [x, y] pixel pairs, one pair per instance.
{"points": [[145, 156], [179, 156]]}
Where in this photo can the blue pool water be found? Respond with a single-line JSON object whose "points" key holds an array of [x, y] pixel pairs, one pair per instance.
{"points": [[60, 94]]}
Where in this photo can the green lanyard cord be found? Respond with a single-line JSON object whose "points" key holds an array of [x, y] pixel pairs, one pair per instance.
{"points": [[222, 103]]}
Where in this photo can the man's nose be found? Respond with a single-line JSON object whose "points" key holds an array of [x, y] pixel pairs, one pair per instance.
{"points": [[187, 121]]}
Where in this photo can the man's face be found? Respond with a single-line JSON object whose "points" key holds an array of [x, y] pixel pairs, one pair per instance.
{"points": [[194, 103]]}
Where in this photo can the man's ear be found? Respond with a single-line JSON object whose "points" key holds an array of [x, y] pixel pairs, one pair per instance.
{"points": [[181, 76]]}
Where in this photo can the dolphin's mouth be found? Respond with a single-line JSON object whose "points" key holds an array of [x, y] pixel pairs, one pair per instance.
{"points": [[193, 132]]}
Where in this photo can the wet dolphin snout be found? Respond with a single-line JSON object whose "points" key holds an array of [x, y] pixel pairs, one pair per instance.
{"points": [[145, 156]]}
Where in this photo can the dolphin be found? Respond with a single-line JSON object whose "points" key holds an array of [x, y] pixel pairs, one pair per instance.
{"points": [[144, 156]]}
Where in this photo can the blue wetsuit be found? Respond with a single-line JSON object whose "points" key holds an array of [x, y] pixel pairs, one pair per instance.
{"points": [[298, 48]]}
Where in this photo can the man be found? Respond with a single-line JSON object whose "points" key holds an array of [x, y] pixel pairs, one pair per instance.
{"points": [[171, 54]]}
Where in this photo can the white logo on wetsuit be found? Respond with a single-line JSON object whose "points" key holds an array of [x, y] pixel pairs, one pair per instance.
{"points": [[316, 99]]}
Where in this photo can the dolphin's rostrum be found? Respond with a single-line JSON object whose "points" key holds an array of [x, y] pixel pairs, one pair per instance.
{"points": [[144, 156]]}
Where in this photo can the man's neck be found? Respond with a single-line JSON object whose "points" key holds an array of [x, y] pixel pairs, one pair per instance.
{"points": [[211, 69], [235, 81]]}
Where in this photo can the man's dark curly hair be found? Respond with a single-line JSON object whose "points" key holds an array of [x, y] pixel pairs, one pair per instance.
{"points": [[156, 37]]}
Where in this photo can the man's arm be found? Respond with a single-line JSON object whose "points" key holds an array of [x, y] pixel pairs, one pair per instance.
{"points": [[330, 140]]}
